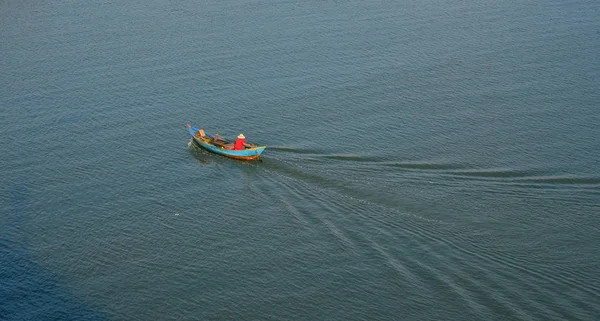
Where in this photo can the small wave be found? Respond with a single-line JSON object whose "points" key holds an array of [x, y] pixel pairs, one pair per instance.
{"points": [[425, 165], [496, 173], [577, 180], [294, 150], [351, 157], [533, 177], [204, 157]]}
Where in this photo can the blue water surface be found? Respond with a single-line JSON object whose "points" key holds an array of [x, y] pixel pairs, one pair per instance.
{"points": [[425, 160]]}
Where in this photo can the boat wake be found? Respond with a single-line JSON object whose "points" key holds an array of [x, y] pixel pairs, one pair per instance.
{"points": [[422, 251]]}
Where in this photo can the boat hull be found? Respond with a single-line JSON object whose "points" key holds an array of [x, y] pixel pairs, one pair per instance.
{"points": [[245, 154]]}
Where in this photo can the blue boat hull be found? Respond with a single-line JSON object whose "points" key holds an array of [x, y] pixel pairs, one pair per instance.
{"points": [[245, 154]]}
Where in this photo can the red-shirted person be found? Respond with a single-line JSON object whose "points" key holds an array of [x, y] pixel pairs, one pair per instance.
{"points": [[239, 142]]}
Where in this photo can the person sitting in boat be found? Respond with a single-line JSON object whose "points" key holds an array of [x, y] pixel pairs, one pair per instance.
{"points": [[240, 142], [201, 133]]}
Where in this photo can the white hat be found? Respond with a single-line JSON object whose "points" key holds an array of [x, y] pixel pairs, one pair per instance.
{"points": [[241, 136]]}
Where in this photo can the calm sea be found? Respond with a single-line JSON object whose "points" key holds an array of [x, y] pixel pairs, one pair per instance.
{"points": [[426, 160]]}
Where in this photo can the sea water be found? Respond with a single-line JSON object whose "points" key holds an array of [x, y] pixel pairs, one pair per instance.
{"points": [[425, 160]]}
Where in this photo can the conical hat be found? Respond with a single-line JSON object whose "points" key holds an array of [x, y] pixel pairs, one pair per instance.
{"points": [[241, 136]]}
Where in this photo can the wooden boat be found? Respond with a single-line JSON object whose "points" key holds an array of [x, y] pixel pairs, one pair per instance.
{"points": [[222, 146]]}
